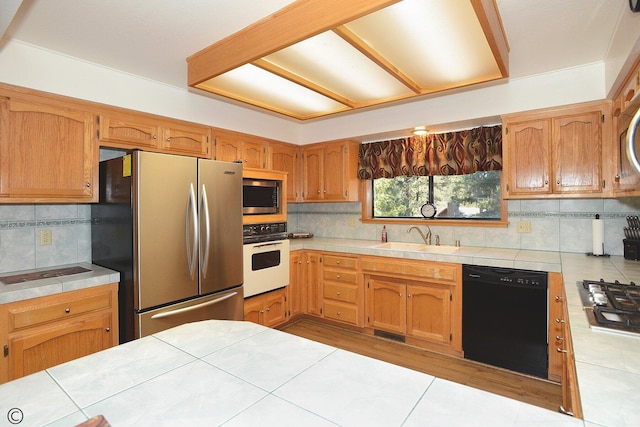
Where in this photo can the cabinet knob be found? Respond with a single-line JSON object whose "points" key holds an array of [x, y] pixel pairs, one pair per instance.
{"points": [[169, 139], [546, 182], [564, 411], [559, 320], [558, 182], [338, 262], [399, 294], [559, 338], [88, 184], [67, 310], [154, 137], [338, 313], [268, 308], [338, 293], [337, 276], [558, 298], [108, 329], [559, 350]]}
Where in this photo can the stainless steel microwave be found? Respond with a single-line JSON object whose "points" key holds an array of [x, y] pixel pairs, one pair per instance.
{"points": [[261, 196], [629, 140]]}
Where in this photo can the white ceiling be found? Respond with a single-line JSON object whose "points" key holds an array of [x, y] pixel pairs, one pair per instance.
{"points": [[153, 38]]}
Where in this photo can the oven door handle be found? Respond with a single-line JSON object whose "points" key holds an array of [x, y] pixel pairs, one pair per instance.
{"points": [[262, 245], [204, 212], [191, 222], [193, 307]]}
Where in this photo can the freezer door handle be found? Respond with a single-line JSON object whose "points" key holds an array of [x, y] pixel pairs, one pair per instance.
{"points": [[191, 224], [204, 211], [193, 307]]}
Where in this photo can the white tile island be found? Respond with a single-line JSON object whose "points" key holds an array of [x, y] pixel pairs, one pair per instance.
{"points": [[239, 373]]}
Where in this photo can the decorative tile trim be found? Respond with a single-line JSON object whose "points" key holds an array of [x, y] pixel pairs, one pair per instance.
{"points": [[573, 215], [5, 225]]}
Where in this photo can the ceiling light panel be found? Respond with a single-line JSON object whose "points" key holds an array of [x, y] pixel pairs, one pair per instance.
{"points": [[330, 62], [255, 86], [438, 44]]}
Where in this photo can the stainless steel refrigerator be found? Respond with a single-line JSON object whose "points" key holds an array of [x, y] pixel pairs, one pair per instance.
{"points": [[172, 226]]}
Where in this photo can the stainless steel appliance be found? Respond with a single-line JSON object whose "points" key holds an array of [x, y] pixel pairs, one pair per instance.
{"points": [[629, 140], [172, 226], [266, 257], [261, 196], [611, 306], [504, 318]]}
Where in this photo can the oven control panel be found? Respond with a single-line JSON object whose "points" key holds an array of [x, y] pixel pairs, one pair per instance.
{"points": [[252, 233]]}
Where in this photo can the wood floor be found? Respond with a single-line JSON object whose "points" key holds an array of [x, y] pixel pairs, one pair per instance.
{"points": [[537, 392]]}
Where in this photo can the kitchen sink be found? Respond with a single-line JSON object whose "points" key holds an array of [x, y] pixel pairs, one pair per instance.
{"points": [[417, 247]]}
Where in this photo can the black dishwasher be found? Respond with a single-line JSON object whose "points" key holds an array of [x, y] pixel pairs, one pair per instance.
{"points": [[504, 318]]}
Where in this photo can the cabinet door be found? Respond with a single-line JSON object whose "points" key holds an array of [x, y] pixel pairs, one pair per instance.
{"points": [[577, 147], [46, 152], [128, 132], [285, 158], [386, 305], [429, 313], [36, 349], [274, 311], [313, 167], [252, 310], [253, 154], [297, 288], [556, 331], [529, 150], [314, 281], [228, 148], [185, 139], [335, 168]]}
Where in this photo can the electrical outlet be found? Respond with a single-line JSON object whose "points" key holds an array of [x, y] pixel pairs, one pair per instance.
{"points": [[524, 226], [353, 222], [45, 237]]}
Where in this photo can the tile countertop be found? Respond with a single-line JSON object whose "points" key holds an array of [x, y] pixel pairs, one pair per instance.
{"points": [[607, 364], [54, 285], [232, 373]]}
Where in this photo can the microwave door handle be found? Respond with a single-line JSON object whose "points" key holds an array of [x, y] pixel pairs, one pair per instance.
{"points": [[204, 210], [191, 230], [631, 136]]}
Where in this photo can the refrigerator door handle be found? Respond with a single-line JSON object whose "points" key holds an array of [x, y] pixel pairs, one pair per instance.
{"points": [[193, 307], [204, 210], [191, 222]]}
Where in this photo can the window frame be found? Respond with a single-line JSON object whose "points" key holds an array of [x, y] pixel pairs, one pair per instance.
{"points": [[366, 197]]}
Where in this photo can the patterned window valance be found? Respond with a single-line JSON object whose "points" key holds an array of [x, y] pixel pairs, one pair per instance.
{"points": [[451, 153]]}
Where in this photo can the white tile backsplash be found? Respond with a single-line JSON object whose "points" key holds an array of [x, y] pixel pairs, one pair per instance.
{"points": [[556, 225], [20, 226]]}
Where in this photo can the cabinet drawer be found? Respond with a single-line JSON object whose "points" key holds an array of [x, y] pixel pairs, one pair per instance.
{"points": [[441, 272], [340, 261], [341, 292], [339, 311], [57, 307], [339, 276]]}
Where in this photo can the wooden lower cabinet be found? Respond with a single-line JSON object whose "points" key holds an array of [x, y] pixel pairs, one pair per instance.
{"points": [[342, 289], [42, 332], [297, 289], [313, 274], [268, 309], [419, 310], [419, 301]]}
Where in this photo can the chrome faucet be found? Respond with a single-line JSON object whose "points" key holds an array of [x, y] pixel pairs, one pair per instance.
{"points": [[427, 238]]}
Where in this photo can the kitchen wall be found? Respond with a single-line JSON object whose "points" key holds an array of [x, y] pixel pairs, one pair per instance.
{"points": [[20, 227], [556, 225]]}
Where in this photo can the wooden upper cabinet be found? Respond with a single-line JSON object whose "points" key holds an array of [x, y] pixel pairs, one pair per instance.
{"points": [[285, 157], [128, 132], [578, 153], [529, 153], [330, 171], [187, 139], [557, 152], [131, 131], [238, 147], [313, 174], [46, 151]]}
